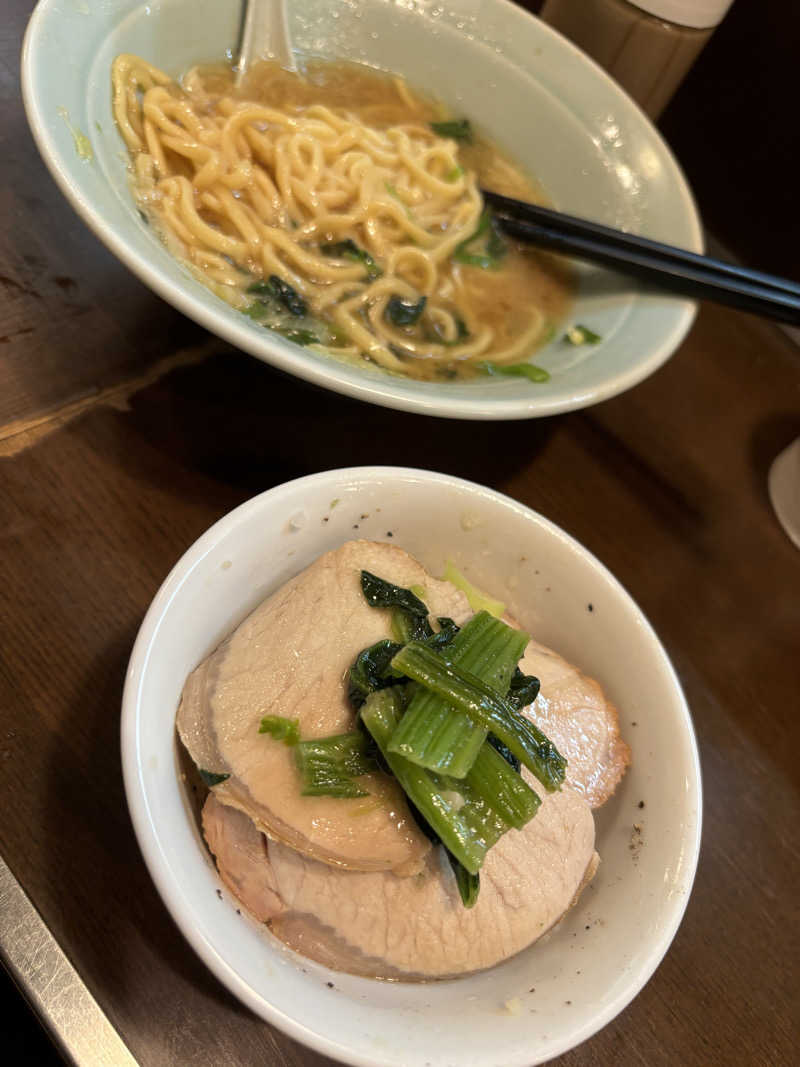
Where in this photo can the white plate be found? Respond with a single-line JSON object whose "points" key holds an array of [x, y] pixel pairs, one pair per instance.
{"points": [[606, 948], [543, 100]]}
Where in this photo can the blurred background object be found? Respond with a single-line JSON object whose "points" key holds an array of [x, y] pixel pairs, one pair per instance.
{"points": [[732, 126], [648, 46]]}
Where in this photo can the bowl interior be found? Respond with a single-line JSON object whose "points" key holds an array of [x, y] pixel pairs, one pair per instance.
{"points": [[570, 983], [543, 101]]}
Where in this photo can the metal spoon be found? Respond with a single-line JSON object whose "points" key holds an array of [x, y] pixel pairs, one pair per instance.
{"points": [[264, 35]]}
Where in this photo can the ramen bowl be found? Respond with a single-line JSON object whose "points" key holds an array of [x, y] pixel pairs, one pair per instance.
{"points": [[540, 99], [567, 985]]}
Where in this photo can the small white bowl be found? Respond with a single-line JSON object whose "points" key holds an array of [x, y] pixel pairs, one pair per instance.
{"points": [[587, 969], [545, 102]]}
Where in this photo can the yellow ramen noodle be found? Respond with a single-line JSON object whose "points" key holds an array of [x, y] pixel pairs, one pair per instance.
{"points": [[335, 208]]}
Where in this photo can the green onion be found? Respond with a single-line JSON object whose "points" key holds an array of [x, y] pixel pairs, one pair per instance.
{"points": [[432, 734], [348, 249], [281, 728], [456, 129], [477, 700], [469, 885], [581, 335], [328, 765], [212, 778], [515, 370], [490, 245], [467, 830], [454, 174]]}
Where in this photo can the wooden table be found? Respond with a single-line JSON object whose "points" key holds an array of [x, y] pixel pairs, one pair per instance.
{"points": [[125, 431]]}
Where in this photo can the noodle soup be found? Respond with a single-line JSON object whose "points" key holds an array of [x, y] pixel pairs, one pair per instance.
{"points": [[343, 211]]}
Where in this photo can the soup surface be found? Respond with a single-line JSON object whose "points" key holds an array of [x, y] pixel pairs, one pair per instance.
{"points": [[341, 209]]}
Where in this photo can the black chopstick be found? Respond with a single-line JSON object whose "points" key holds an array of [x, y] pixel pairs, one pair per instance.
{"points": [[670, 268]]}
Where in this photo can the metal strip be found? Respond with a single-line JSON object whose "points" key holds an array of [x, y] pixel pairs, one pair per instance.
{"points": [[51, 984]]}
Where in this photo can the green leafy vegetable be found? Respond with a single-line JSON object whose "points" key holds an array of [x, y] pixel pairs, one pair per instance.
{"points": [[401, 313], [298, 335], [467, 829], [211, 778], [329, 765], [499, 782], [478, 600], [411, 617], [281, 728], [432, 733], [485, 248], [281, 291], [436, 335], [506, 753], [457, 129], [348, 249], [483, 705], [516, 370], [447, 631], [368, 673], [523, 689], [581, 335], [454, 174], [469, 885]]}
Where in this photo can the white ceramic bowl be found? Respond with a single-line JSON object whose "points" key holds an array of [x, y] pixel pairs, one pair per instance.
{"points": [[606, 948], [543, 100]]}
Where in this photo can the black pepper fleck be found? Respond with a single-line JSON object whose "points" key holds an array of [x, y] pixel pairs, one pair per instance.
{"points": [[389, 533], [329, 985], [355, 525], [326, 518], [641, 804], [219, 894], [590, 607]]}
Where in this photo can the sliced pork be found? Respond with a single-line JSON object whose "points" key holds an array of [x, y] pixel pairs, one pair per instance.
{"points": [[572, 710], [383, 926], [290, 657]]}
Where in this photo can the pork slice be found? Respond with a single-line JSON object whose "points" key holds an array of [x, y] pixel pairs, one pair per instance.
{"points": [[572, 710], [241, 854], [383, 926], [290, 657]]}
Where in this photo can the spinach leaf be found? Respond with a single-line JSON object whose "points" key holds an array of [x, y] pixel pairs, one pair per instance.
{"points": [[368, 672], [469, 885], [211, 778], [281, 291], [522, 690], [401, 313], [457, 129], [298, 335], [348, 249], [410, 616], [447, 632], [485, 248]]}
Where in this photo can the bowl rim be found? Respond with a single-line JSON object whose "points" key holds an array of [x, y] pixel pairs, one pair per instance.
{"points": [[136, 792], [331, 374]]}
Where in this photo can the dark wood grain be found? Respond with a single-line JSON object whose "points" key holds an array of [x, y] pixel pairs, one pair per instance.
{"points": [[666, 484]]}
